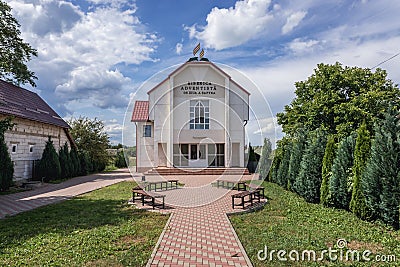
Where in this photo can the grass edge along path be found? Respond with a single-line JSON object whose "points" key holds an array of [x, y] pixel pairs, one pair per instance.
{"points": [[288, 223], [94, 229]]}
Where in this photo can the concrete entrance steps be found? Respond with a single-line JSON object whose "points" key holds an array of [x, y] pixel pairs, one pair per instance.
{"points": [[162, 171]]}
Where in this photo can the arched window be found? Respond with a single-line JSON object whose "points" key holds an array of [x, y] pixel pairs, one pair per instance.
{"points": [[199, 114]]}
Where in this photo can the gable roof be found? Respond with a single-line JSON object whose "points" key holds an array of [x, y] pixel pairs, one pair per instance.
{"points": [[22, 103], [204, 63], [140, 111]]}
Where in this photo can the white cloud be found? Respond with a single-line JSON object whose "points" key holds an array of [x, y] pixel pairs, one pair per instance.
{"points": [[178, 48], [300, 46], [293, 21], [83, 51], [234, 26]]}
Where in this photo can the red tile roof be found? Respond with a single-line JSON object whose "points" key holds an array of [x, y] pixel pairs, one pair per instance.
{"points": [[140, 111], [19, 102]]}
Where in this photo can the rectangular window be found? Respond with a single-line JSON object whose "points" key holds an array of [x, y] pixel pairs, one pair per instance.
{"points": [[199, 114], [146, 130], [181, 155], [14, 148], [216, 155], [31, 149]]}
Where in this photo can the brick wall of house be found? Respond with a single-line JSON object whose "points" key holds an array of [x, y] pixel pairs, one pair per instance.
{"points": [[29, 139]]}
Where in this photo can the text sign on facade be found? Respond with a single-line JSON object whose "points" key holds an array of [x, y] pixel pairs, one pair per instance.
{"points": [[200, 88]]}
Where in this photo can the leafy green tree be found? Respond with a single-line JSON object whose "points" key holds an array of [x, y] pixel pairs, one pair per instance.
{"points": [[14, 52], [264, 164], [90, 137], [308, 182], [361, 153], [338, 99], [6, 165], [341, 182], [327, 163], [381, 179], [298, 147], [49, 165]]}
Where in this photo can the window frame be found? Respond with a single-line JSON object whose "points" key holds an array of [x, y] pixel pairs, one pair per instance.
{"points": [[147, 130], [199, 112]]}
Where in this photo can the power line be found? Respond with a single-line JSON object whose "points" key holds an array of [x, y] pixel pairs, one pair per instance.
{"points": [[392, 57]]}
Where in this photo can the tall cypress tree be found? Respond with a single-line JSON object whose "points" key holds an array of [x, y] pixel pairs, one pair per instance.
{"points": [[282, 178], [76, 166], [308, 183], [6, 165], [341, 180], [63, 163], [298, 147], [276, 163], [361, 154], [49, 165], [264, 164], [381, 181], [327, 163]]}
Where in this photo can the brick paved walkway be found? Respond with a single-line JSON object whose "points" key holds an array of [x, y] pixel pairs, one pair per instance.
{"points": [[199, 235], [51, 193]]}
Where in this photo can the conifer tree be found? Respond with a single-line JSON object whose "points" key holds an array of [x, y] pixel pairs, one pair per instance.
{"points": [[298, 148], [6, 165], [282, 178], [341, 180], [361, 154], [309, 180], [381, 179], [327, 163], [49, 165], [273, 175], [76, 166], [264, 164], [63, 163]]}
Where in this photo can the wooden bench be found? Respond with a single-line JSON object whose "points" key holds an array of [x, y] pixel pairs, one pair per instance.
{"points": [[139, 194], [169, 184], [240, 186], [254, 187], [250, 195]]}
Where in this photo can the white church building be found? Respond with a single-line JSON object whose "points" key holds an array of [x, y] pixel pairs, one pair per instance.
{"points": [[195, 118]]}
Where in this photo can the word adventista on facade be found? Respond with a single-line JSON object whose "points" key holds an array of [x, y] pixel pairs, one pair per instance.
{"points": [[195, 118]]}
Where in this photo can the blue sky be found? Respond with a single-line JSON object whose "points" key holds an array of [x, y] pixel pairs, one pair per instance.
{"points": [[95, 54]]}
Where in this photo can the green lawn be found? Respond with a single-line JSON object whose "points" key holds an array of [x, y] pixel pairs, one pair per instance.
{"points": [[287, 222], [95, 229]]}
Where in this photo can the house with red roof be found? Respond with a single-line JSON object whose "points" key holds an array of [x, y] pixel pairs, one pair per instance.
{"points": [[34, 122], [195, 118]]}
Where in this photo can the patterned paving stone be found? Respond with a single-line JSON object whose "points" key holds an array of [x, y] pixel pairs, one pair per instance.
{"points": [[199, 232], [51, 193]]}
